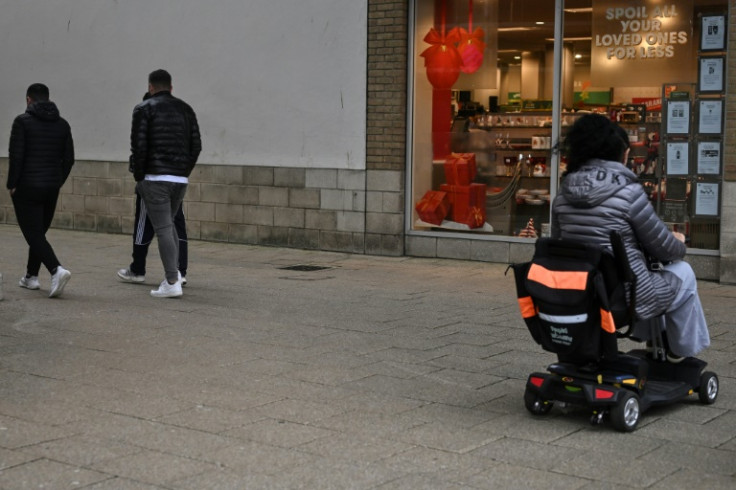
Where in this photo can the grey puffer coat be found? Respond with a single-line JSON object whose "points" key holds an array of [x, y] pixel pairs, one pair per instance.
{"points": [[603, 196]]}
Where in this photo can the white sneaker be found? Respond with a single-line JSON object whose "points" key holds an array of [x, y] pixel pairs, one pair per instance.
{"points": [[126, 275], [58, 281], [29, 282], [674, 359], [166, 290]]}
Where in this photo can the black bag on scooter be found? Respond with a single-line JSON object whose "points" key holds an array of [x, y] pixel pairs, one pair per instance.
{"points": [[564, 302]]}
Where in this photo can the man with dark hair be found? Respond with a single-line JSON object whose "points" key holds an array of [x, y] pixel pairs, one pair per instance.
{"points": [[165, 144], [41, 156], [160, 80], [143, 234]]}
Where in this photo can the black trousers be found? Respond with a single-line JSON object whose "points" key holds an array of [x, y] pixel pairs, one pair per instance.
{"points": [[34, 210], [143, 234]]}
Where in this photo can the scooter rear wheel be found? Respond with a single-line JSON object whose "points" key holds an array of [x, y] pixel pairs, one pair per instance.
{"points": [[626, 413], [535, 404], [708, 390]]}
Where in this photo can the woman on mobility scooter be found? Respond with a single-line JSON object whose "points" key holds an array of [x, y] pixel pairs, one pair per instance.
{"points": [[603, 231], [598, 195]]}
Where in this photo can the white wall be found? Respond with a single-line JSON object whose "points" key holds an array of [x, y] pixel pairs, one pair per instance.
{"points": [[273, 82]]}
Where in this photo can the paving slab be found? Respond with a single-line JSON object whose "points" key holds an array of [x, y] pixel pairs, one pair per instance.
{"points": [[374, 373]]}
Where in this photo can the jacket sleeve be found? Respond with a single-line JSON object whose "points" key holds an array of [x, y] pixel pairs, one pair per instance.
{"points": [[139, 143], [16, 153], [195, 141], [555, 231], [651, 232], [68, 159]]}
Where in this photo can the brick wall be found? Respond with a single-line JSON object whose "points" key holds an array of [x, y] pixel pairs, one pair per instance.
{"points": [[303, 208], [386, 126]]}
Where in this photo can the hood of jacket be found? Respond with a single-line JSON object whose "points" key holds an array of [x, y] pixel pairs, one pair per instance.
{"points": [[595, 182], [46, 110]]}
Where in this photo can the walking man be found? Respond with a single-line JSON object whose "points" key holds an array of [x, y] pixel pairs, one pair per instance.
{"points": [[41, 156], [165, 144], [143, 236]]}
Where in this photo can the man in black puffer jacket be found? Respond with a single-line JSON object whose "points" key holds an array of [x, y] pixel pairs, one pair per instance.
{"points": [[41, 156], [165, 144]]}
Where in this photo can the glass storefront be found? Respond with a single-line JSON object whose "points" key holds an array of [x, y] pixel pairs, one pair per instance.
{"points": [[497, 82]]}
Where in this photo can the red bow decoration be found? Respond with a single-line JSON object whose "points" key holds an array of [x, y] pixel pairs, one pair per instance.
{"points": [[442, 59], [475, 217], [471, 49]]}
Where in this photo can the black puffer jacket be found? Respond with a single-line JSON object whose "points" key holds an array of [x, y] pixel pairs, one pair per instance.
{"points": [[165, 138], [603, 196], [41, 149]]}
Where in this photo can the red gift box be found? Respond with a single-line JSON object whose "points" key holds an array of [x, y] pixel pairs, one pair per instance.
{"points": [[460, 168], [433, 207], [467, 203]]}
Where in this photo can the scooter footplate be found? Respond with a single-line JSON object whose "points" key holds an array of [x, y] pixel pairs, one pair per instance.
{"points": [[661, 392]]}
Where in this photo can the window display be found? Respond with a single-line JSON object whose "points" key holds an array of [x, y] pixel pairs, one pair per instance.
{"points": [[495, 88]]}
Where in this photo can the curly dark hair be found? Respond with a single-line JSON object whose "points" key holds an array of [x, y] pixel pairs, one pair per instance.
{"points": [[593, 136]]}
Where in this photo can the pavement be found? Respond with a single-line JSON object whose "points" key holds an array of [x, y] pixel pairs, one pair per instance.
{"points": [[373, 373]]}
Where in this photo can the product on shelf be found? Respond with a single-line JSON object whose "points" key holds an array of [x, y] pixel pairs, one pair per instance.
{"points": [[529, 231]]}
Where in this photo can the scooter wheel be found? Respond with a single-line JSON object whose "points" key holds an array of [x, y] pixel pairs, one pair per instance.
{"points": [[535, 404], [625, 414], [708, 390]]}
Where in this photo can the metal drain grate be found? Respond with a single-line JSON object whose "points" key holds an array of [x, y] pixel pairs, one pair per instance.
{"points": [[305, 268]]}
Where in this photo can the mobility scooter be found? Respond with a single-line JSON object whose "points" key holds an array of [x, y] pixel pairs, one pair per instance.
{"points": [[577, 299]]}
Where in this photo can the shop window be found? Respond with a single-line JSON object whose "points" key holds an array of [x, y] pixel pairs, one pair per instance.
{"points": [[486, 82]]}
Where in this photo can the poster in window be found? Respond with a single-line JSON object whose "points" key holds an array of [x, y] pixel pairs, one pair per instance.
{"points": [[713, 33], [711, 116], [674, 211], [709, 157], [678, 117], [677, 158], [706, 199], [676, 189], [711, 78]]}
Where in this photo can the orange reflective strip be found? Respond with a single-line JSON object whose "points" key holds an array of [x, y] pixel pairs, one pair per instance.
{"points": [[607, 322], [558, 279], [526, 305]]}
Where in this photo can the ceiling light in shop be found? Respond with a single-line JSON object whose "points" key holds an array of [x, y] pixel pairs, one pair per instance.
{"points": [[570, 39], [581, 10], [515, 29]]}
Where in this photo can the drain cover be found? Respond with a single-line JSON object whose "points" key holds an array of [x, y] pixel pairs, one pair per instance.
{"points": [[305, 268]]}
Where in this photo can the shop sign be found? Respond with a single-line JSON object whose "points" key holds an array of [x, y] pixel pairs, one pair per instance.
{"points": [[632, 42], [536, 105]]}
